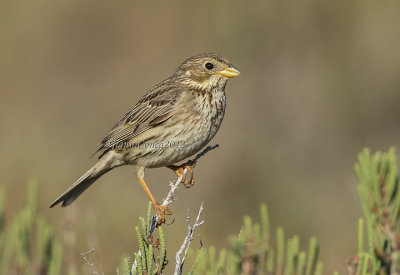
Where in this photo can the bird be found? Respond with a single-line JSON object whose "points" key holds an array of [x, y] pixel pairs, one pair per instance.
{"points": [[171, 122]]}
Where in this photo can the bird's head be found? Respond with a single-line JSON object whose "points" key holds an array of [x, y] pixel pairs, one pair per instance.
{"points": [[206, 71]]}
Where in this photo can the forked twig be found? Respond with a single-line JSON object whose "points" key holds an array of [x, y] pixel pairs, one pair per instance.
{"points": [[186, 243]]}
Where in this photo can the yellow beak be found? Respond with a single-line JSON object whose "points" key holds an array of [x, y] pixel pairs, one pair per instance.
{"points": [[229, 72]]}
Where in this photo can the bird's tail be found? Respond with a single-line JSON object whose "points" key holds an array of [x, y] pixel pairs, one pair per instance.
{"points": [[105, 164]]}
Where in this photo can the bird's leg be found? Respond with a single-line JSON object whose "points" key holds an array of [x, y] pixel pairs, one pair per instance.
{"points": [[161, 210], [180, 171]]}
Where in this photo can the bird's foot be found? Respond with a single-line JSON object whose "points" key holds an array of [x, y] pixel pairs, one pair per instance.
{"points": [[180, 172], [161, 211]]}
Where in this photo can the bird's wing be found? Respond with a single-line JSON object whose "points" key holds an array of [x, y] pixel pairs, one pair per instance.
{"points": [[153, 109]]}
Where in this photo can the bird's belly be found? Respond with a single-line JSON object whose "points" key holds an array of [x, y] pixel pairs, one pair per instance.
{"points": [[177, 142], [177, 147]]}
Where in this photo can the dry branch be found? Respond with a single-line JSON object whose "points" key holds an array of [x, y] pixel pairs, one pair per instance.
{"points": [[186, 243], [174, 185]]}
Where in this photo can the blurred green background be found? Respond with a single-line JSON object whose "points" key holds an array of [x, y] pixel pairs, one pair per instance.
{"points": [[321, 80]]}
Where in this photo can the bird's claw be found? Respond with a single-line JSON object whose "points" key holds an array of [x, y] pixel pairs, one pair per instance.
{"points": [[189, 183], [161, 211], [180, 172]]}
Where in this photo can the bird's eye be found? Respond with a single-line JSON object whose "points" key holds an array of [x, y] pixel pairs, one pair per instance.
{"points": [[209, 66]]}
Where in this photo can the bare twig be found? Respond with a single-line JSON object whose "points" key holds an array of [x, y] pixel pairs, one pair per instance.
{"points": [[205, 151], [170, 197], [88, 260], [174, 185], [186, 243]]}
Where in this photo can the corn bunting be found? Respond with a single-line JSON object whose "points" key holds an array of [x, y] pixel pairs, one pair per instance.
{"points": [[173, 121]]}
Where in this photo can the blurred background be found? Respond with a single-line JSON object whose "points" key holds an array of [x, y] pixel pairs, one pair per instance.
{"points": [[321, 80]]}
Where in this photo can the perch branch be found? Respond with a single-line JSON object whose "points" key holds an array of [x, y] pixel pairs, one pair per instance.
{"points": [[174, 185], [186, 243], [170, 197]]}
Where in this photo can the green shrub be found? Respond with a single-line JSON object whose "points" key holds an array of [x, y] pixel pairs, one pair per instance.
{"points": [[255, 251], [27, 244]]}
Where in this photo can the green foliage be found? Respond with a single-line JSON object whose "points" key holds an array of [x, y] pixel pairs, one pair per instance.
{"points": [[380, 197], [27, 244], [251, 252], [151, 257], [255, 251]]}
